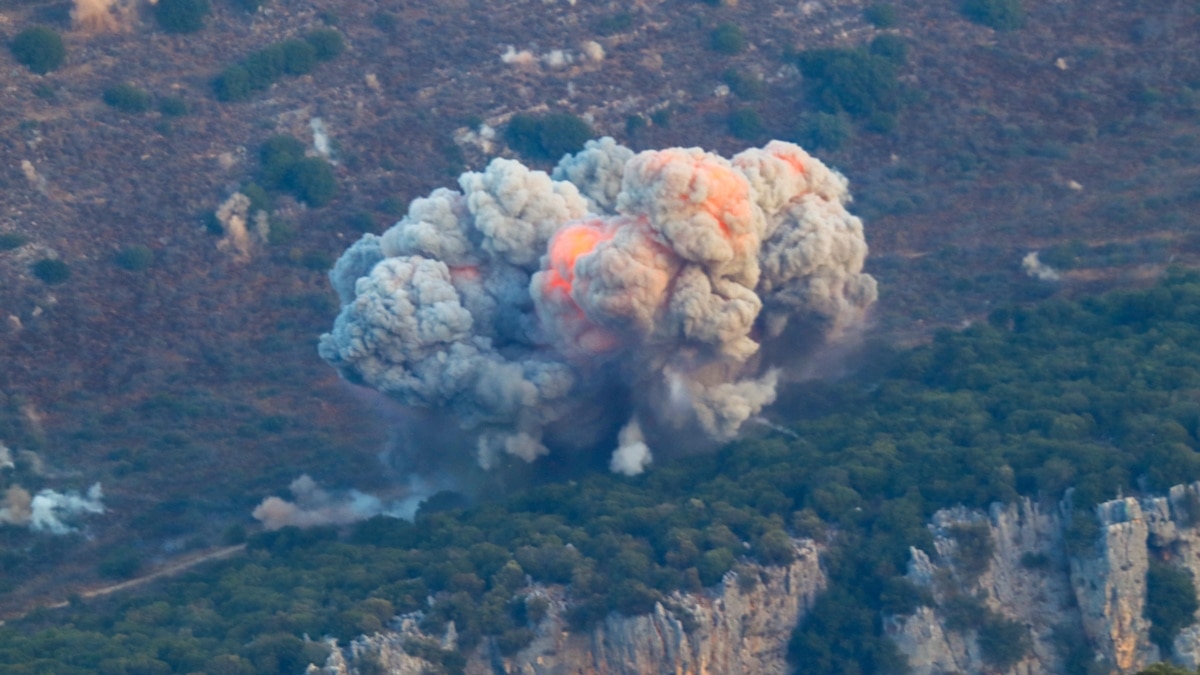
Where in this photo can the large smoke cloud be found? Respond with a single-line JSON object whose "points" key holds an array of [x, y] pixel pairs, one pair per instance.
{"points": [[621, 287]]}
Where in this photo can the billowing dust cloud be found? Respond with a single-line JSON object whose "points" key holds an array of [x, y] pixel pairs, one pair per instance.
{"points": [[623, 290]]}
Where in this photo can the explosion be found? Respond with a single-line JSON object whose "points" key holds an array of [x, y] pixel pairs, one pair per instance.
{"points": [[624, 290]]}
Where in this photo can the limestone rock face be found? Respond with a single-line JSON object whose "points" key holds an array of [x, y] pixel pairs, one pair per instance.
{"points": [[741, 626], [1091, 597], [1007, 572]]}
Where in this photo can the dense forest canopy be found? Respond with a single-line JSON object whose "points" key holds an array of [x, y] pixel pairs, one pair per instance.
{"points": [[1095, 397]]}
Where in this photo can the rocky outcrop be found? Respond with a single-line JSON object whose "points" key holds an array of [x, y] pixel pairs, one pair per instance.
{"points": [[1026, 589], [741, 626], [1084, 603]]}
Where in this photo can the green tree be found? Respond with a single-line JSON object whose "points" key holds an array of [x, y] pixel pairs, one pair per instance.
{"points": [[127, 98], [548, 136], [996, 14], [312, 181], [39, 49], [326, 42], [880, 16], [727, 39], [134, 258], [51, 270], [181, 16], [1170, 603]]}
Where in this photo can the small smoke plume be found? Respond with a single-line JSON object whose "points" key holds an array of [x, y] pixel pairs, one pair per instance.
{"points": [[17, 506], [320, 137], [232, 215], [1036, 269], [48, 510], [632, 455], [313, 506], [544, 311], [99, 16]]}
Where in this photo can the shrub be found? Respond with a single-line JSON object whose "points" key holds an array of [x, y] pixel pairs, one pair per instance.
{"points": [[311, 181], [1170, 603], [1002, 642], [181, 16], [547, 137], [747, 86], [123, 563], [278, 154], [824, 131], [135, 258], [880, 16], [727, 39], [127, 98], [299, 57], [746, 124], [39, 49], [11, 240], [855, 81], [890, 47], [327, 42], [51, 271], [995, 14], [172, 106], [233, 84]]}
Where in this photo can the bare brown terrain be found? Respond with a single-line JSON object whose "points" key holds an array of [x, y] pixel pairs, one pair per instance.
{"points": [[192, 389]]}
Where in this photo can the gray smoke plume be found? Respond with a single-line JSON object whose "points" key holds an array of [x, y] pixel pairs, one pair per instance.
{"points": [[48, 510], [529, 306], [313, 505]]}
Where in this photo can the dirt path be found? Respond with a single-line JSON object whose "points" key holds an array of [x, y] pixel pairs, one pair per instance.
{"points": [[171, 569]]}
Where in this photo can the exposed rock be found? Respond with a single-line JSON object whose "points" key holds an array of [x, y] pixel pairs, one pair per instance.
{"points": [[740, 626], [1098, 593], [1009, 566]]}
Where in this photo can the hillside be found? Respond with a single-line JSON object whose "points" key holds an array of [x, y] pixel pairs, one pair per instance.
{"points": [[189, 386]]}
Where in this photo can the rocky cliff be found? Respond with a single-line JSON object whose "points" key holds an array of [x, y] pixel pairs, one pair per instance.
{"points": [[1030, 589], [741, 626], [1027, 588]]}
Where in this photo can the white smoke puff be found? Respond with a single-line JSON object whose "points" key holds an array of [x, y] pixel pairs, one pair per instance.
{"points": [[262, 226], [597, 170], [50, 510], [407, 334], [632, 455], [813, 265], [16, 508], [354, 263], [782, 172], [232, 214], [492, 446], [513, 57], [517, 210], [6, 458], [722, 408], [593, 51], [557, 58], [35, 179], [320, 136], [314, 506], [97, 15], [1036, 269], [436, 227]]}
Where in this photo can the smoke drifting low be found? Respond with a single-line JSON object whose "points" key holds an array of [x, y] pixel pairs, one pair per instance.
{"points": [[49, 510], [623, 290], [314, 506]]}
